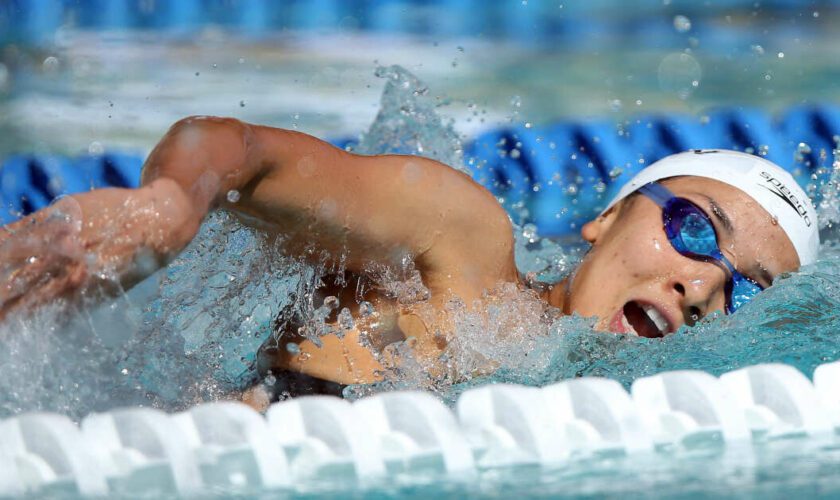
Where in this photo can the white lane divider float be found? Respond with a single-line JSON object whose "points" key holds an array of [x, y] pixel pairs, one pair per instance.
{"points": [[686, 404], [507, 425], [234, 446], [827, 384], [229, 446], [140, 449], [596, 415], [416, 431], [325, 438], [49, 454], [777, 400]]}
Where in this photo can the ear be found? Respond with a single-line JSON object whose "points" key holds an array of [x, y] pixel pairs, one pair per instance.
{"points": [[595, 229]]}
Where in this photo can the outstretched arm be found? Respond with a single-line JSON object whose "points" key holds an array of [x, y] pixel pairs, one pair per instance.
{"points": [[368, 209]]}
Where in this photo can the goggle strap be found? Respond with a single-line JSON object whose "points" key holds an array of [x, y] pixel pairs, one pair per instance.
{"points": [[657, 193]]}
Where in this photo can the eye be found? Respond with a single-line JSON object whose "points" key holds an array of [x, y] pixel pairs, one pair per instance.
{"points": [[698, 234]]}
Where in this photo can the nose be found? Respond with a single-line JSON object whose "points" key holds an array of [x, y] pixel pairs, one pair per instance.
{"points": [[701, 289]]}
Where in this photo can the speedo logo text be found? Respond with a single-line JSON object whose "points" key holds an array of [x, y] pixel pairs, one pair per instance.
{"points": [[779, 189]]}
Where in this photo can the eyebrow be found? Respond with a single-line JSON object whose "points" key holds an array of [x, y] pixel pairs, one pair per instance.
{"points": [[719, 214], [765, 279]]}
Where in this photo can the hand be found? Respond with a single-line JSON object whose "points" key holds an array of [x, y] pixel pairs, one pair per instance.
{"points": [[42, 257]]}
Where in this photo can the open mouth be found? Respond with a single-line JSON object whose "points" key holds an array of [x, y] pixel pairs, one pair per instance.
{"points": [[641, 319]]}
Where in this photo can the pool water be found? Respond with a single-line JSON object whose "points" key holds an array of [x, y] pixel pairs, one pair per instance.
{"points": [[189, 333]]}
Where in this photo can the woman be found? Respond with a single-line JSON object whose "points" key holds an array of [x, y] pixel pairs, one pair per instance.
{"points": [[695, 233]]}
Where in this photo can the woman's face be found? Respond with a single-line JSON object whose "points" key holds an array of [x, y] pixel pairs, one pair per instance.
{"points": [[635, 282]]}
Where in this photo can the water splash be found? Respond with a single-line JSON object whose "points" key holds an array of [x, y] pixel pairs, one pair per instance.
{"points": [[407, 122]]}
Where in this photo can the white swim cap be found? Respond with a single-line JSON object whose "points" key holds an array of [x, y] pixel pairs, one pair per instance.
{"points": [[765, 182]]}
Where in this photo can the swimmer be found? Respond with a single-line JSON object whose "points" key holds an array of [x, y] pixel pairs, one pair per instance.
{"points": [[693, 234]]}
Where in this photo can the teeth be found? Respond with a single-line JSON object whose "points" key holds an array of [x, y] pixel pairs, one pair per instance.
{"points": [[658, 320], [628, 327]]}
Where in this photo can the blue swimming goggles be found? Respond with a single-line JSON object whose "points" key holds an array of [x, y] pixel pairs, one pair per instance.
{"points": [[693, 235]]}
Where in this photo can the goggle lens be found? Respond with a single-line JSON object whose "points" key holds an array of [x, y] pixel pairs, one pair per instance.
{"points": [[692, 234]]}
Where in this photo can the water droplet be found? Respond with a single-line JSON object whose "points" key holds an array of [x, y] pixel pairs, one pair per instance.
{"points": [[270, 380], [233, 196], [345, 319], [366, 308], [763, 149], [615, 104], [516, 101], [242, 103], [50, 64], [781, 55], [682, 24], [529, 232], [331, 302], [679, 73], [757, 49], [96, 148], [124, 371], [515, 154]]}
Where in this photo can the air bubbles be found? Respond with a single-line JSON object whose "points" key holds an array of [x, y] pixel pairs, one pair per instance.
{"points": [[682, 24], [242, 103], [780, 55], [96, 148], [233, 196], [679, 73], [757, 49], [51, 65], [516, 101], [270, 380], [615, 105]]}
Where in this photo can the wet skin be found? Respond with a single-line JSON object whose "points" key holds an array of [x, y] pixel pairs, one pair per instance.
{"points": [[363, 211]]}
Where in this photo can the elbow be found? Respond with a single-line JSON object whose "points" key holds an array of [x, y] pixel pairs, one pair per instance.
{"points": [[203, 155]]}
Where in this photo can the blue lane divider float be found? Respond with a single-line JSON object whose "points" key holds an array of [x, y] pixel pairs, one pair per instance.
{"points": [[30, 182], [556, 176], [650, 24]]}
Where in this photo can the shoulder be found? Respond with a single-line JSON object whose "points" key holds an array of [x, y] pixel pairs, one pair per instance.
{"points": [[476, 236]]}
